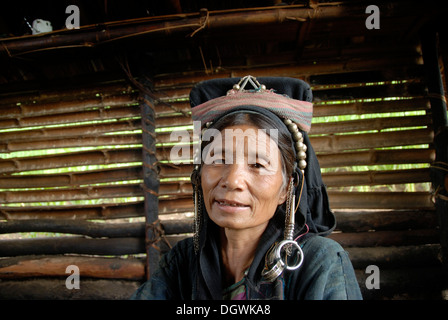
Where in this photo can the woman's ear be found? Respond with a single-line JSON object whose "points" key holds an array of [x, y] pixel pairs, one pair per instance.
{"points": [[196, 176], [283, 194], [282, 197]]}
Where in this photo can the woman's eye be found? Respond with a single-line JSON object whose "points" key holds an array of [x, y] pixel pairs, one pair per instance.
{"points": [[218, 161], [258, 165]]}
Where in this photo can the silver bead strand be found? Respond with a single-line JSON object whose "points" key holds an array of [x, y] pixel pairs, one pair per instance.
{"points": [[300, 147]]}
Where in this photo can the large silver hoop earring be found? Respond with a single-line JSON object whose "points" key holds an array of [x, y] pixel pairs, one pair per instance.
{"points": [[287, 253]]}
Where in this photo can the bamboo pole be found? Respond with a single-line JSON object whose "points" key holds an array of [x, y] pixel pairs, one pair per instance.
{"points": [[407, 89], [375, 157], [102, 211], [370, 124], [347, 178], [350, 221], [69, 160], [67, 93], [109, 140], [55, 266], [170, 107], [78, 245], [71, 194], [175, 206], [70, 131], [338, 143], [72, 178], [380, 200], [93, 229], [87, 193], [78, 227], [49, 108], [55, 289], [418, 256], [99, 114], [150, 180], [381, 220], [386, 238]]}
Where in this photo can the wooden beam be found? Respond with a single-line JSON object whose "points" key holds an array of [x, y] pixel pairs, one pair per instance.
{"points": [[55, 289], [55, 266], [78, 245], [100, 211], [77, 227], [386, 238]]}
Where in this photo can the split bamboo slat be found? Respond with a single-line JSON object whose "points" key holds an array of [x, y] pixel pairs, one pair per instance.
{"points": [[85, 212], [102, 157], [67, 132]]}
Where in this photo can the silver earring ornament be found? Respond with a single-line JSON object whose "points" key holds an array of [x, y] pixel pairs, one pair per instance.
{"points": [[197, 200], [197, 193], [287, 253]]}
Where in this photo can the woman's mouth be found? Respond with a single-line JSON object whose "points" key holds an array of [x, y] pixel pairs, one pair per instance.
{"points": [[230, 205]]}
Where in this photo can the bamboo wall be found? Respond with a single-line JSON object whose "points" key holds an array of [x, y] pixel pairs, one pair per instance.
{"points": [[96, 203], [89, 173]]}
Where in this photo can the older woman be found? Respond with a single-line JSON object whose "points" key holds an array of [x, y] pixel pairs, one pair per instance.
{"points": [[261, 208]]}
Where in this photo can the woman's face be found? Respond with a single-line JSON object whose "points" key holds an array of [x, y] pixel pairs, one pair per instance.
{"points": [[242, 180]]}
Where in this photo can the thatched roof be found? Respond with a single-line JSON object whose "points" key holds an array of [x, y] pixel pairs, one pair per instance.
{"points": [[182, 36]]}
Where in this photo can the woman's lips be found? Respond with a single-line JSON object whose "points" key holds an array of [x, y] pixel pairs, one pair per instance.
{"points": [[230, 205]]}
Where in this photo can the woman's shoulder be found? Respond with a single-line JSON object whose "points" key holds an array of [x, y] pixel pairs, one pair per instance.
{"points": [[181, 250], [318, 245]]}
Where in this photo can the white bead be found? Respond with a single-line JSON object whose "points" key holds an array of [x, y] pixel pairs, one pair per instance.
{"points": [[293, 127], [297, 136]]}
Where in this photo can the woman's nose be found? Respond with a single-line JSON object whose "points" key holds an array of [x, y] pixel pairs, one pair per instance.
{"points": [[234, 177]]}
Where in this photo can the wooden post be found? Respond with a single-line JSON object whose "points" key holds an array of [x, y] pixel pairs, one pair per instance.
{"points": [[438, 109], [151, 180]]}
